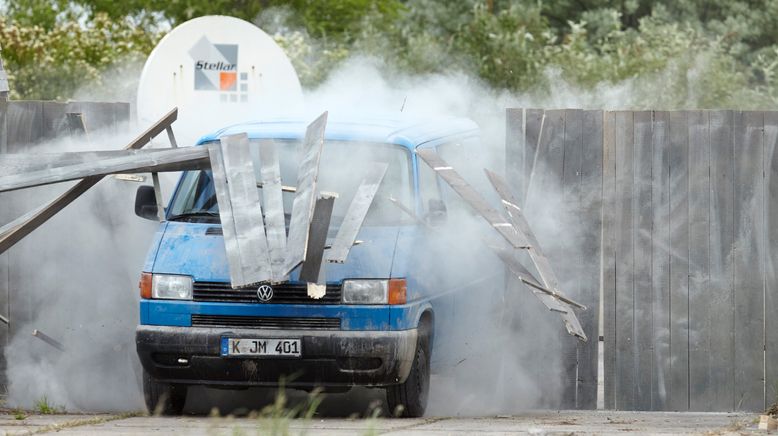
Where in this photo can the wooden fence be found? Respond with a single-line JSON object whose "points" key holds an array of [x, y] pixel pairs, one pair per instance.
{"points": [[685, 205], [22, 124]]}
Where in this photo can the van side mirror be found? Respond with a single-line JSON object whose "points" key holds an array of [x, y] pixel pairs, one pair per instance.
{"points": [[146, 203], [436, 211]]}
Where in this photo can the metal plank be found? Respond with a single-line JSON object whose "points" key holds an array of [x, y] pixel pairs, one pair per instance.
{"points": [[678, 398], [320, 225], [472, 197], [302, 206], [660, 260], [591, 241], [642, 345], [771, 256], [748, 266], [356, 213], [700, 358], [625, 287], [273, 206], [722, 240], [609, 227], [246, 210], [156, 161], [14, 231]]}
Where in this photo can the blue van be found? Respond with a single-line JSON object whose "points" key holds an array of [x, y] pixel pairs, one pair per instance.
{"points": [[380, 316]]}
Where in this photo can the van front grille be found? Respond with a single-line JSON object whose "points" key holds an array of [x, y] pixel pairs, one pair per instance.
{"points": [[284, 293], [266, 322]]}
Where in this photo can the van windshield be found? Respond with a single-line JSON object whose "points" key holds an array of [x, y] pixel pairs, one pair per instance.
{"points": [[342, 168]]}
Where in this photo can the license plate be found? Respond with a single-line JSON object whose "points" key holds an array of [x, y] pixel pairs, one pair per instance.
{"points": [[261, 347]]}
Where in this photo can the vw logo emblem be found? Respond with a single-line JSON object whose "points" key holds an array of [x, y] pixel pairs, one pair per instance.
{"points": [[265, 293]]}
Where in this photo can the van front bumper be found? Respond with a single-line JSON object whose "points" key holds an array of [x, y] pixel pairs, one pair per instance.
{"points": [[330, 358]]}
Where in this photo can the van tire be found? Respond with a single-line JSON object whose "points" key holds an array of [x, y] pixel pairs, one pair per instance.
{"points": [[409, 399], [163, 398]]}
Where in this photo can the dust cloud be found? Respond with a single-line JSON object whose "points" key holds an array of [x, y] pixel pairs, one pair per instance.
{"points": [[76, 277]]}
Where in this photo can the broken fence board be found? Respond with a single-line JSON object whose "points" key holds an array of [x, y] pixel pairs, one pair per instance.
{"points": [[14, 231], [273, 206], [472, 197], [153, 161], [356, 213], [305, 197], [229, 232], [250, 242], [320, 225], [515, 149]]}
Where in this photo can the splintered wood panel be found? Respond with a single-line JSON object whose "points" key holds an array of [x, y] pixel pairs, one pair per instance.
{"points": [[570, 255], [679, 261], [721, 237], [748, 263], [515, 151], [771, 255], [590, 213], [660, 260], [625, 255], [700, 359], [609, 256], [642, 215]]}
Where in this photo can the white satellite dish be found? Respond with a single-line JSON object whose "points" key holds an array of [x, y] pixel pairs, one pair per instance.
{"points": [[217, 70]]}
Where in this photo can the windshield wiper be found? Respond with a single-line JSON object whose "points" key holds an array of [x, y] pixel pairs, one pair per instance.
{"points": [[194, 214]]}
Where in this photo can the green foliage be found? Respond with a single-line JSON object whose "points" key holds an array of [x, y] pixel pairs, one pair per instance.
{"points": [[43, 407], [671, 53], [53, 63]]}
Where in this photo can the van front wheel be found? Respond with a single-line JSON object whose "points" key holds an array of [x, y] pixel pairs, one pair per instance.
{"points": [[163, 398], [409, 399]]}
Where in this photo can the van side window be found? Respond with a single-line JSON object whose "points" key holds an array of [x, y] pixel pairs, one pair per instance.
{"points": [[429, 188]]}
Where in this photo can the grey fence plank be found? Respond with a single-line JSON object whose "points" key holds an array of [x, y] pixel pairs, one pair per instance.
{"points": [[771, 256], [700, 358], [679, 262], [533, 120], [748, 266], [568, 265], [643, 336], [515, 150], [591, 221], [24, 121], [660, 260], [720, 288], [548, 162], [609, 256], [625, 285]]}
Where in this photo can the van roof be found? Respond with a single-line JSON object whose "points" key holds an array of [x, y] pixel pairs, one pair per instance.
{"points": [[405, 131]]}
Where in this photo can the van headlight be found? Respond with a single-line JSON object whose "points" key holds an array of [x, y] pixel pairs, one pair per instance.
{"points": [[374, 291], [171, 287]]}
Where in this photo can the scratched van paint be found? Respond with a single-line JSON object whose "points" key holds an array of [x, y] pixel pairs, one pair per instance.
{"points": [[383, 317]]}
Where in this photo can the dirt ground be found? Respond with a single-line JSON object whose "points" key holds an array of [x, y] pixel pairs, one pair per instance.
{"points": [[537, 422]]}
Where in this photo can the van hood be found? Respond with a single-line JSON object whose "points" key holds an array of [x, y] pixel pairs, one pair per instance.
{"points": [[197, 250]]}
